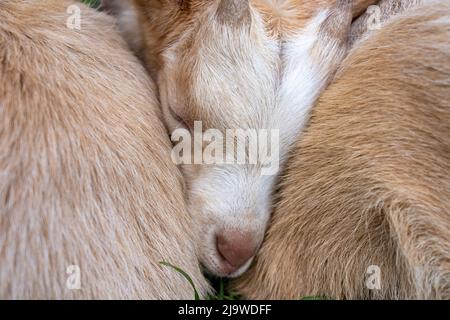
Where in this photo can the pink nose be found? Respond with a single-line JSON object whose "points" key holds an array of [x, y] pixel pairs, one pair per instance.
{"points": [[236, 248]]}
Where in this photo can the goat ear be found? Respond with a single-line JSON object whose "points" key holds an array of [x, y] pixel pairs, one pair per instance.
{"points": [[234, 12]]}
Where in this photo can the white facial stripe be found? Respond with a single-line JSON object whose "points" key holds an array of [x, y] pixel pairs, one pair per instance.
{"points": [[301, 82]]}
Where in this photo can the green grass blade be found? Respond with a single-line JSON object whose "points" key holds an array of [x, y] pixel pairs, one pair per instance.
{"points": [[184, 274], [314, 298], [221, 290], [92, 3]]}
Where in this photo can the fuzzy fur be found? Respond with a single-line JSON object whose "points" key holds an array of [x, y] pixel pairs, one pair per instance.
{"points": [[258, 64], [369, 181], [85, 171]]}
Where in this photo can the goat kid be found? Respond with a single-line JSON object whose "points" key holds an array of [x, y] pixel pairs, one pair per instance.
{"points": [[238, 64]]}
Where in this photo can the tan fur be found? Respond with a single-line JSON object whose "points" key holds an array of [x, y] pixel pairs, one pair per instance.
{"points": [[369, 182], [387, 8], [85, 172], [360, 6], [161, 21], [285, 17]]}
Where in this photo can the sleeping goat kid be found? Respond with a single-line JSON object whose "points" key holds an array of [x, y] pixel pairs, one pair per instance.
{"points": [[238, 64], [364, 207], [90, 201]]}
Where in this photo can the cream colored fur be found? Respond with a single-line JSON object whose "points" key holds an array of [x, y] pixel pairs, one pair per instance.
{"points": [[257, 64], [85, 172]]}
